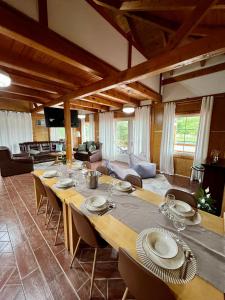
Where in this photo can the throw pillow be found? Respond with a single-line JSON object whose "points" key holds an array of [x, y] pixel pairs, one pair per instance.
{"points": [[119, 172], [33, 152], [82, 147], [145, 169], [92, 148], [59, 147]]}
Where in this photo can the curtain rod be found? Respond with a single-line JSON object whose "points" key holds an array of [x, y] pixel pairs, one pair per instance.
{"points": [[197, 98]]}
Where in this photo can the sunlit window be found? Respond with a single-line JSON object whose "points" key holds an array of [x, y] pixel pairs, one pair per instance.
{"points": [[186, 132]]}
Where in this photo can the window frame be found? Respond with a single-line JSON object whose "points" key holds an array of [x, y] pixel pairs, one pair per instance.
{"points": [[183, 154]]}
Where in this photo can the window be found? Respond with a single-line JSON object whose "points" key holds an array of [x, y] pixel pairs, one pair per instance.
{"points": [[87, 130], [57, 133], [186, 131]]}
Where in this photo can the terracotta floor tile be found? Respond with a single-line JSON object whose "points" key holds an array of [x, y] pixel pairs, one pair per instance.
{"points": [[103, 269], [77, 275], [101, 284], [25, 259], [7, 259], [61, 289], [14, 278], [84, 292], [116, 288], [105, 254], [12, 292], [47, 262], [5, 274], [35, 287], [35, 238]]}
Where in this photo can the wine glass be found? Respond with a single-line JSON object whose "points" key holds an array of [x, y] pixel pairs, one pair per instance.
{"points": [[179, 225], [169, 202]]}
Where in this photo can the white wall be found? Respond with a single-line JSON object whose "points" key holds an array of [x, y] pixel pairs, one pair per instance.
{"points": [[28, 7], [213, 83]]}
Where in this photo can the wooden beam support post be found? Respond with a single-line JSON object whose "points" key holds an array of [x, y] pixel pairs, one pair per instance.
{"points": [[67, 120]]}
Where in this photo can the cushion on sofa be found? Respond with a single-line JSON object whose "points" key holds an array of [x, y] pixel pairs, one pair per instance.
{"points": [[119, 172], [92, 148], [82, 147], [145, 169], [33, 152], [59, 148]]}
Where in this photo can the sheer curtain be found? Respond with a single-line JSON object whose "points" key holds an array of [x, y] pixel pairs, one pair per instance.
{"points": [[203, 131], [15, 128], [106, 135], [167, 142], [91, 128], [83, 131], [141, 132]]}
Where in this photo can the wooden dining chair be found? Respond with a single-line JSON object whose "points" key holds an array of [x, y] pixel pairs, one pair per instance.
{"points": [[134, 180], [141, 283], [43, 195], [183, 196], [56, 207], [103, 170], [89, 235]]}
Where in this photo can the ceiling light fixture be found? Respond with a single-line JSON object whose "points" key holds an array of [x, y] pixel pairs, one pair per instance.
{"points": [[128, 109], [5, 80], [80, 116]]}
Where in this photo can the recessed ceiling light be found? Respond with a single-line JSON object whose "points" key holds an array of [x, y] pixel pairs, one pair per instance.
{"points": [[128, 109], [5, 80]]}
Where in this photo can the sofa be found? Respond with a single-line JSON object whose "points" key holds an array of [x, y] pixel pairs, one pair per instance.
{"points": [[89, 151], [40, 151], [11, 165]]}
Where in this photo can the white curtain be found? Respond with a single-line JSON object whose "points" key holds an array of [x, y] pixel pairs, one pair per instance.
{"points": [[167, 142], [106, 135], [57, 133], [141, 132], [83, 131], [91, 128], [203, 130], [15, 128]]}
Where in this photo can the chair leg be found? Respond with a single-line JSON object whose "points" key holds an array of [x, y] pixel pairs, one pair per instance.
{"points": [[46, 211], [75, 252], [125, 294], [39, 204], [57, 228], [93, 273], [49, 218]]}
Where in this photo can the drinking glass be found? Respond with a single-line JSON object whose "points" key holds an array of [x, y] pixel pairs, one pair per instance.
{"points": [[179, 225], [169, 202]]}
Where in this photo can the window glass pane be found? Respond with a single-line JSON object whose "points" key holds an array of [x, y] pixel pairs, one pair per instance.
{"points": [[186, 131], [122, 136], [87, 130]]}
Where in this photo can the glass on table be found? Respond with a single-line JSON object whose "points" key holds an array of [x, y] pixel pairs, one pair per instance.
{"points": [[169, 201], [179, 225]]}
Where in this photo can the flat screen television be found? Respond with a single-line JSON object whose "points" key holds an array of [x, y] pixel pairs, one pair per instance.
{"points": [[54, 117]]}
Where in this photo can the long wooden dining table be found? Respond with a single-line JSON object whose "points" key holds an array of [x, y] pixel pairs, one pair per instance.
{"points": [[118, 234]]}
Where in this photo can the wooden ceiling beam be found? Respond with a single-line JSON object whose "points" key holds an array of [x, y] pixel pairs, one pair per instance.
{"points": [[176, 58], [119, 96], [27, 31], [39, 70], [13, 89], [163, 5], [43, 12], [190, 23], [103, 101], [20, 97], [194, 74], [145, 92], [87, 104], [72, 106]]}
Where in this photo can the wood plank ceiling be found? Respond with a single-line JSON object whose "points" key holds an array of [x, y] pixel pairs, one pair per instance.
{"points": [[45, 73]]}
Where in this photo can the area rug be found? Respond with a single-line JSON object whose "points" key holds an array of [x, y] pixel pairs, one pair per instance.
{"points": [[158, 184]]}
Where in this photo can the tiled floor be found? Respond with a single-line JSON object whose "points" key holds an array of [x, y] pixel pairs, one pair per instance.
{"points": [[32, 267]]}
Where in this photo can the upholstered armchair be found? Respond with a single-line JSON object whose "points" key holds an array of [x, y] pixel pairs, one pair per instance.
{"points": [[14, 165]]}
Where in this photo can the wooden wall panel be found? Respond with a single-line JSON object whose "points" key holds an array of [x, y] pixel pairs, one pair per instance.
{"points": [[96, 119], [40, 133], [15, 105], [156, 132]]}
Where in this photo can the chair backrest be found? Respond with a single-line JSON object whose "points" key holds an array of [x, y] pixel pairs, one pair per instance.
{"points": [[140, 282], [134, 180], [5, 154], [102, 169], [183, 196], [39, 185], [84, 227], [54, 201]]}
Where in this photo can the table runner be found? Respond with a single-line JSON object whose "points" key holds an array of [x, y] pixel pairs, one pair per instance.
{"points": [[138, 214]]}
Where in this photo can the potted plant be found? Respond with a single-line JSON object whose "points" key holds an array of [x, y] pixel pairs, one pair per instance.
{"points": [[205, 201]]}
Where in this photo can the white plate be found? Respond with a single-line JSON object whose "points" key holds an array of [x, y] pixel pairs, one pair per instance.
{"points": [[162, 244], [97, 201], [50, 174], [183, 209], [65, 182], [166, 263], [90, 207], [76, 167], [123, 186]]}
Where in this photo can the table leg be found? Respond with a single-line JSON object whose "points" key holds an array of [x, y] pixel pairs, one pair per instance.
{"points": [[37, 194], [65, 224], [73, 235]]}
